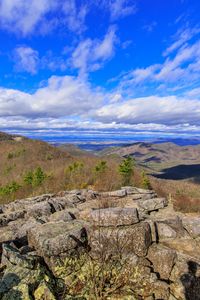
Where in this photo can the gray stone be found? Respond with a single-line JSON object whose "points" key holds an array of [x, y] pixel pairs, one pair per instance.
{"points": [[12, 256], [143, 191], [121, 240], [63, 215], [114, 216], [143, 196], [40, 209], [192, 225], [154, 233], [165, 231], [118, 193], [21, 228], [152, 204], [57, 238], [163, 260], [8, 217]]}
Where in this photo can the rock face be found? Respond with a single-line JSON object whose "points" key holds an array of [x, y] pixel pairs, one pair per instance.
{"points": [[73, 246], [114, 216]]}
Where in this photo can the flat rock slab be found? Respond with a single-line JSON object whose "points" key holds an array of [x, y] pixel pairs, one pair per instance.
{"points": [[118, 193], [152, 204], [56, 238], [130, 190], [114, 216]]}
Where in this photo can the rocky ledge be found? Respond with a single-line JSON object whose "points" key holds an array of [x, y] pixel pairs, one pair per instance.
{"points": [[126, 244]]}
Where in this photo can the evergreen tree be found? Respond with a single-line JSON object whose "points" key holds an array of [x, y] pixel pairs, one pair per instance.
{"points": [[145, 181], [39, 177], [126, 169]]}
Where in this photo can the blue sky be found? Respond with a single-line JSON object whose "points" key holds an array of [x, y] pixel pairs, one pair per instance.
{"points": [[100, 65]]}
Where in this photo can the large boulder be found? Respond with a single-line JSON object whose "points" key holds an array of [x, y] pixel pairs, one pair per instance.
{"points": [[169, 227], [152, 204], [57, 238], [40, 209], [134, 239], [164, 231], [114, 216], [163, 260], [11, 216]]}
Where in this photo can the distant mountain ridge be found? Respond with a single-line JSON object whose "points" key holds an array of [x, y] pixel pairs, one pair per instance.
{"points": [[158, 156]]}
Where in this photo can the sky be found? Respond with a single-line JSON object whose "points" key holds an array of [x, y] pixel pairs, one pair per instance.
{"points": [[101, 65]]}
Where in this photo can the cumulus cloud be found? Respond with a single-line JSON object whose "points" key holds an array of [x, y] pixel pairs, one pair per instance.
{"points": [[152, 109], [61, 96], [68, 101], [90, 54], [14, 102]]}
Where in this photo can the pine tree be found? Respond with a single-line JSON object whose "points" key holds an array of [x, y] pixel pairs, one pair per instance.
{"points": [[126, 169], [145, 181]]}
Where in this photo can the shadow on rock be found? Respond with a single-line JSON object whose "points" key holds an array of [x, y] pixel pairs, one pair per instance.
{"points": [[7, 283], [191, 281]]}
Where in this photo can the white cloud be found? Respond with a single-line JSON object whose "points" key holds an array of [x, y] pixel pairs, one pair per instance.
{"points": [[91, 54], [23, 16], [26, 59], [120, 8], [152, 109], [180, 38], [67, 102], [180, 69], [14, 102], [75, 16], [193, 93], [62, 96], [26, 17]]}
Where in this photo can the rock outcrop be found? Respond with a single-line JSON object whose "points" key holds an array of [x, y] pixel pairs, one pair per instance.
{"points": [[126, 244]]}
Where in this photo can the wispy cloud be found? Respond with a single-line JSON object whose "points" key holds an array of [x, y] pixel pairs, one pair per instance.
{"points": [[75, 16], [90, 54], [121, 8], [150, 26], [181, 66], [43, 16], [26, 59], [23, 16], [180, 38], [27, 17]]}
